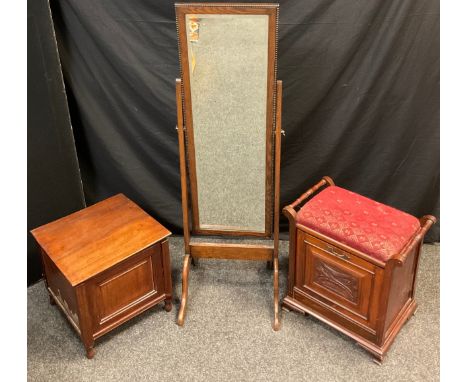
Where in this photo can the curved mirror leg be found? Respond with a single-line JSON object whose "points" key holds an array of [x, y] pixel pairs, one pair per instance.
{"points": [[183, 300], [277, 323]]}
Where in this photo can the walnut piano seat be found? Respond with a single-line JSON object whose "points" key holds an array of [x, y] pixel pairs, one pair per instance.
{"points": [[353, 263]]}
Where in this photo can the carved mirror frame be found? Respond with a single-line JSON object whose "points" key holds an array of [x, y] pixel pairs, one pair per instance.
{"points": [[187, 152]]}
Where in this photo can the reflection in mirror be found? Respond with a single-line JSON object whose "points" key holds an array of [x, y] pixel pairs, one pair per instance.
{"points": [[228, 61]]}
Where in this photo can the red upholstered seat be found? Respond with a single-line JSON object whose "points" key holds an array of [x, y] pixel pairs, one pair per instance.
{"points": [[359, 222]]}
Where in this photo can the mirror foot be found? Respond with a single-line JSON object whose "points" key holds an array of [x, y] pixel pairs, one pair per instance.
{"points": [[183, 300]]}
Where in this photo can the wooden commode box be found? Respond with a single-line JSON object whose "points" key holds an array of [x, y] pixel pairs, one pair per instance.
{"points": [[104, 265], [353, 264]]}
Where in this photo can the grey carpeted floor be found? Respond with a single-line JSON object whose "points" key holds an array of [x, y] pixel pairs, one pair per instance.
{"points": [[228, 336]]}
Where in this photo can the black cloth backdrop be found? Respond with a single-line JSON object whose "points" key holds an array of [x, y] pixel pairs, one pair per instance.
{"points": [[54, 182], [360, 103]]}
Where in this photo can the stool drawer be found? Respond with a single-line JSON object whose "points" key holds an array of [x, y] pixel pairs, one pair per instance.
{"points": [[337, 279], [339, 253]]}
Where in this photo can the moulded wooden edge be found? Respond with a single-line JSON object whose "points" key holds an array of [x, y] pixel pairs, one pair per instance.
{"points": [[75, 280], [152, 301], [340, 245], [231, 251], [227, 5], [228, 231], [377, 351]]}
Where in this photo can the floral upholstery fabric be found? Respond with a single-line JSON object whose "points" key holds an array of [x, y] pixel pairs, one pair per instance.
{"points": [[378, 230]]}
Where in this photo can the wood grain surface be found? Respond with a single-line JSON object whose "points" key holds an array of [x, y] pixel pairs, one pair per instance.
{"points": [[89, 241]]}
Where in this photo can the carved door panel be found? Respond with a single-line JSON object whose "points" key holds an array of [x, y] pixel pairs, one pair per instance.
{"points": [[338, 282]]}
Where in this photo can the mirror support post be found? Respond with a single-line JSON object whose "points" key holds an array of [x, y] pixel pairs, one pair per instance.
{"points": [[278, 131], [182, 165], [185, 212]]}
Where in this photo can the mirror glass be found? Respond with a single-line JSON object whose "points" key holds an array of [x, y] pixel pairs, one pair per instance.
{"points": [[228, 62]]}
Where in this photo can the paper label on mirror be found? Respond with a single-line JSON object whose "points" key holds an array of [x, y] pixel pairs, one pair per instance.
{"points": [[194, 28]]}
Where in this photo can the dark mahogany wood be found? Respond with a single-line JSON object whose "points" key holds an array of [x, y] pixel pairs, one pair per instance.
{"points": [[182, 165], [104, 265], [364, 298], [231, 251], [188, 166]]}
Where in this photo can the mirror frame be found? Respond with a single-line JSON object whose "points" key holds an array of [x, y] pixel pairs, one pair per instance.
{"points": [[270, 10]]}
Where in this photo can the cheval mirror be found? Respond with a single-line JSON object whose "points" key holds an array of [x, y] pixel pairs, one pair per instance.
{"points": [[229, 129]]}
